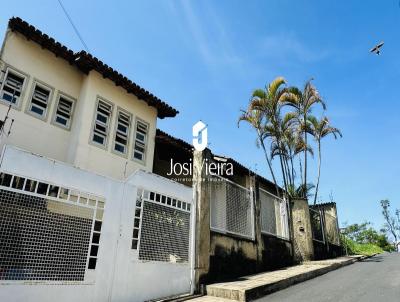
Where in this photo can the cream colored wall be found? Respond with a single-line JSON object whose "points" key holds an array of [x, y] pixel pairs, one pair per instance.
{"points": [[71, 146], [104, 161], [28, 132]]}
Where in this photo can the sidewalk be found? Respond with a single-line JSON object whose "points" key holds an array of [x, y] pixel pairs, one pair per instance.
{"points": [[255, 286]]}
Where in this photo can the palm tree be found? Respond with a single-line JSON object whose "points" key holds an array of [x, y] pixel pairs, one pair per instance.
{"points": [[270, 101], [256, 118], [320, 129], [303, 102]]}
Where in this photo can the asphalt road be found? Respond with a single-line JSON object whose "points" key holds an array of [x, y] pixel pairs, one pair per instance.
{"points": [[373, 280]]}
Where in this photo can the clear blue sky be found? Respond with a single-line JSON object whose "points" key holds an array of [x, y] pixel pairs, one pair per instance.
{"points": [[205, 57]]}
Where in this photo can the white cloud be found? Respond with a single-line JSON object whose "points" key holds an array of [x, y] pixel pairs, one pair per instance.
{"points": [[207, 31]]}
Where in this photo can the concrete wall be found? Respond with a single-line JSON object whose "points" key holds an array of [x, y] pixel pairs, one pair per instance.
{"points": [[228, 256], [326, 250], [119, 274], [71, 146], [301, 228]]}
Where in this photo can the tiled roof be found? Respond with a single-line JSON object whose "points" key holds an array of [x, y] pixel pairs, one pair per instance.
{"points": [[86, 62]]}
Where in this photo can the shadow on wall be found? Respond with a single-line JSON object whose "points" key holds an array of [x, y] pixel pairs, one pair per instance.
{"points": [[277, 253], [226, 265], [322, 251]]}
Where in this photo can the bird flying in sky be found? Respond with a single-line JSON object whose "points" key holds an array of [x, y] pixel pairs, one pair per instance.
{"points": [[377, 48]]}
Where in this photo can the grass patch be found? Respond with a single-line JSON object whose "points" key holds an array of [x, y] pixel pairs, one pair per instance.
{"points": [[367, 249]]}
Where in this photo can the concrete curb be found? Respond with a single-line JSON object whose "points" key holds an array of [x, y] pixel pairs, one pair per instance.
{"points": [[248, 294]]}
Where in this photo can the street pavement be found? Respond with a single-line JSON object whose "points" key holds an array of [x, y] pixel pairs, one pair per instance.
{"points": [[374, 279]]}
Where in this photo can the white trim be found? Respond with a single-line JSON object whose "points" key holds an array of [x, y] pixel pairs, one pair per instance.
{"points": [[109, 125], [143, 161], [19, 73], [59, 95], [128, 136], [28, 108]]}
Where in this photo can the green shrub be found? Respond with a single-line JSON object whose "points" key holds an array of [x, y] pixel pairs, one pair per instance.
{"points": [[354, 248]]}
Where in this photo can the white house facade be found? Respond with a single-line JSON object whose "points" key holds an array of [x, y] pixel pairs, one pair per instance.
{"points": [[82, 216], [74, 108]]}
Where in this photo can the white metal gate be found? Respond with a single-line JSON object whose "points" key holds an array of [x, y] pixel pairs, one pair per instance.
{"points": [[59, 240], [154, 254], [48, 232]]}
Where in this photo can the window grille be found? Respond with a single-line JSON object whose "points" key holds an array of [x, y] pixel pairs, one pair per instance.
{"points": [[63, 114], [102, 122], [47, 232], [274, 216], [231, 208], [139, 151], [12, 87], [40, 100], [316, 225], [122, 132], [161, 228]]}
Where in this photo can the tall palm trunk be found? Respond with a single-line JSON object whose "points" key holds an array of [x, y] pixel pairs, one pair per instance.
{"points": [[305, 155], [279, 142], [269, 164], [319, 171], [286, 165], [301, 170], [283, 173], [292, 168]]}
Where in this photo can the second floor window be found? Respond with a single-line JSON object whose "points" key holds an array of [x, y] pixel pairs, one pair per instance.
{"points": [[40, 100], [11, 88], [122, 132], [139, 150], [63, 114], [102, 123]]}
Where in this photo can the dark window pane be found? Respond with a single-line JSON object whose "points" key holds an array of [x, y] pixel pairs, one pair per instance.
{"points": [[92, 263], [97, 226], [96, 238], [94, 250]]}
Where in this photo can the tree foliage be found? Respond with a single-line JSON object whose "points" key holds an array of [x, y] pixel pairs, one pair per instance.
{"points": [[283, 120], [392, 222], [364, 233]]}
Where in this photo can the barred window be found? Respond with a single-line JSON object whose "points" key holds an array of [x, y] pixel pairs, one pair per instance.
{"points": [[102, 123], [63, 113], [40, 100], [122, 132], [139, 151], [11, 88], [161, 228]]}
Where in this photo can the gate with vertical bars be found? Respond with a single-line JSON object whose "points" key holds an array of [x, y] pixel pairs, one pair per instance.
{"points": [[231, 208]]}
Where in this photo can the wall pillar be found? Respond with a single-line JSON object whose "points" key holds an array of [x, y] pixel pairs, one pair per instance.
{"points": [[302, 233], [202, 221]]}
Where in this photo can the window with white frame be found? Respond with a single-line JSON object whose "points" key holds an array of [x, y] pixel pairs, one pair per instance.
{"points": [[102, 122], [40, 100], [64, 110], [122, 132], [139, 150], [11, 88]]}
